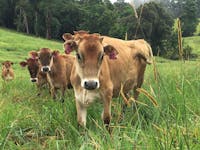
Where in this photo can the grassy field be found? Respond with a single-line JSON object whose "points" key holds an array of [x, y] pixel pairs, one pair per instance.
{"points": [[194, 42], [28, 121]]}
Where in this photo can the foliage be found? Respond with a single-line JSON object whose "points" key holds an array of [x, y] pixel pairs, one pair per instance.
{"points": [[52, 18], [197, 32], [189, 18], [156, 25]]}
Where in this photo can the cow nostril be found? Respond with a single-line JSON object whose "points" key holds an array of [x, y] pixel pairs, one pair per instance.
{"points": [[33, 80], [90, 85], [45, 69]]}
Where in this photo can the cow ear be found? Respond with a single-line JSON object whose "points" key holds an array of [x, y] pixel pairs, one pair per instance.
{"points": [[110, 51], [67, 36], [23, 64], [97, 34], [2, 63], [81, 32], [11, 63], [55, 53], [69, 46], [100, 37], [33, 54]]}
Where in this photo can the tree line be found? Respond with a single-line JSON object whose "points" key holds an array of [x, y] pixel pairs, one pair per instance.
{"points": [[153, 21]]}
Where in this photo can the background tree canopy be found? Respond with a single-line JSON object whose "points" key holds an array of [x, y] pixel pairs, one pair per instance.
{"points": [[52, 18]]}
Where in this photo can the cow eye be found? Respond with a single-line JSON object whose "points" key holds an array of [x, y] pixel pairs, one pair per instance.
{"points": [[101, 57], [78, 56]]}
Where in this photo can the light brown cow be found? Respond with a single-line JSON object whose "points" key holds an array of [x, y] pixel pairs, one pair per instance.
{"points": [[96, 75], [133, 57], [58, 69], [7, 71]]}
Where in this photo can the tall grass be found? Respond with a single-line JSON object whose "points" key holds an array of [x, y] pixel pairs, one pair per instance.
{"points": [[28, 121]]}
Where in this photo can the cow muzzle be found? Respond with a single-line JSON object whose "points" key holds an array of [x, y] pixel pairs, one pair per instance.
{"points": [[45, 69], [90, 84], [34, 79]]}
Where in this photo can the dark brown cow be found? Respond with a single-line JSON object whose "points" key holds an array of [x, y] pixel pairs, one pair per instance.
{"points": [[7, 71], [58, 69], [96, 75], [36, 75]]}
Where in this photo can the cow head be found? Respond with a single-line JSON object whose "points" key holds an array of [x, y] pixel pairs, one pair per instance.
{"points": [[90, 52], [33, 68], [70, 39], [7, 65], [45, 58]]}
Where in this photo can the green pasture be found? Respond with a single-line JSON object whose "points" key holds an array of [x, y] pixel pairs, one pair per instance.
{"points": [[28, 121]]}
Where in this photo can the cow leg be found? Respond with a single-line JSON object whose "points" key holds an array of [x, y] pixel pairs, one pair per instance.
{"points": [[40, 85], [81, 114], [63, 94], [106, 114], [139, 84], [39, 89], [53, 92]]}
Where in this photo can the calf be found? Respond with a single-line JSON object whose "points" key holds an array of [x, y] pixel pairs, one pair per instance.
{"points": [[7, 71], [102, 65], [36, 75], [58, 69]]}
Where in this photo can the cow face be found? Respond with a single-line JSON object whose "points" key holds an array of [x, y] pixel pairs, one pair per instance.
{"points": [[46, 57], [33, 68], [90, 53], [7, 65]]}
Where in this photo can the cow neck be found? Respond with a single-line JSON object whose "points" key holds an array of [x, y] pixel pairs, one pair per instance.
{"points": [[85, 101], [54, 65]]}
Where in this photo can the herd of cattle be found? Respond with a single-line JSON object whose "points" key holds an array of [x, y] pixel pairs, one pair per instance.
{"points": [[102, 65]]}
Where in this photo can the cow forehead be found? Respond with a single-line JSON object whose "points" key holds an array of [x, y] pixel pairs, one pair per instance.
{"points": [[90, 46], [7, 63], [44, 51], [32, 62]]}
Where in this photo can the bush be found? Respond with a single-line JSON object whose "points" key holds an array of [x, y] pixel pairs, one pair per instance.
{"points": [[197, 32]]}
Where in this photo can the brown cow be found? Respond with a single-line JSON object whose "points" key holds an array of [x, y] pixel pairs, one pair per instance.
{"points": [[36, 75], [7, 71], [96, 75], [58, 69]]}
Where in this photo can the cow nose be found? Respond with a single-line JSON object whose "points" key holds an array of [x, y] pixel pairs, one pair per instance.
{"points": [[33, 80], [45, 69], [90, 85]]}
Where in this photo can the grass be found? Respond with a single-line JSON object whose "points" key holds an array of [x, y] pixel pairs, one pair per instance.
{"points": [[31, 122], [194, 43]]}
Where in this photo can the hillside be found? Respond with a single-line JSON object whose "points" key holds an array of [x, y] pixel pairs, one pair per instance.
{"points": [[194, 42], [15, 46], [28, 121]]}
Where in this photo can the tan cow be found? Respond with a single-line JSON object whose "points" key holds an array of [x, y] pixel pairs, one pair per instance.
{"points": [[102, 65], [133, 57], [7, 71], [58, 69]]}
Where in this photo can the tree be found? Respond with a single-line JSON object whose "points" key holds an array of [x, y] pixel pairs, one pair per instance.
{"points": [[24, 13], [123, 21], [156, 25], [189, 18], [7, 13], [97, 17]]}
